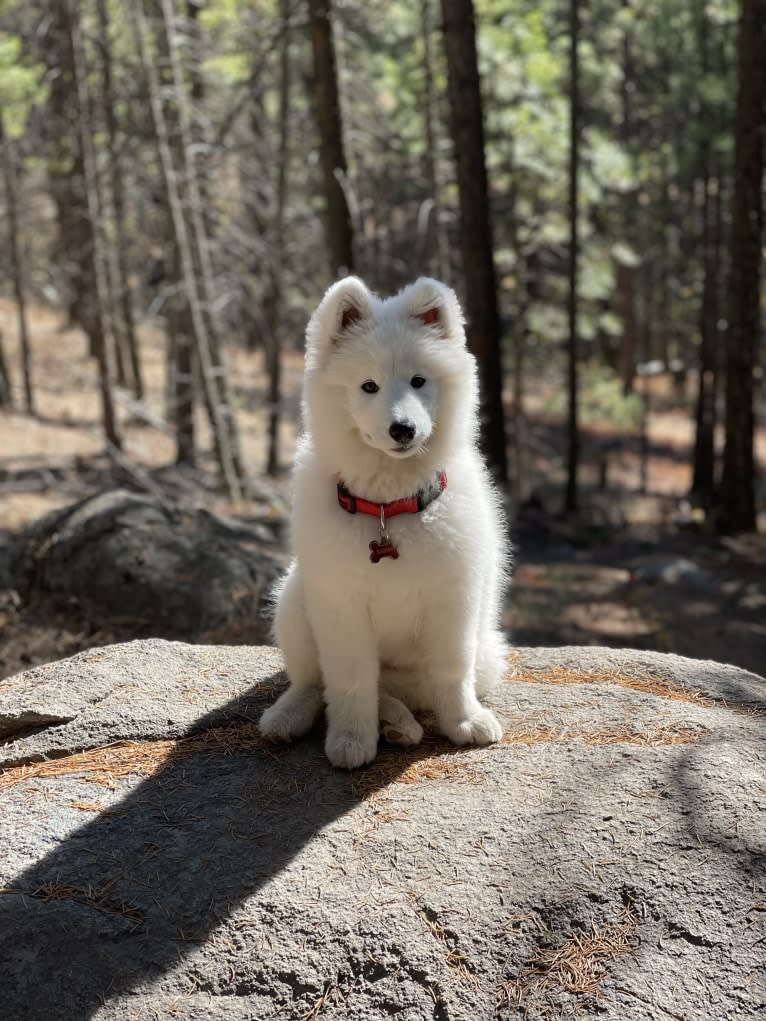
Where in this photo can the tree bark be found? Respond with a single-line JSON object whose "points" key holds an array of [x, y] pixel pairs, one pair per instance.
{"points": [[467, 128], [17, 272], [184, 241], [522, 302], [96, 325], [332, 154], [626, 275], [703, 482], [199, 248], [197, 132], [6, 393], [274, 299], [573, 451], [126, 330], [180, 392], [434, 247], [66, 172], [737, 502]]}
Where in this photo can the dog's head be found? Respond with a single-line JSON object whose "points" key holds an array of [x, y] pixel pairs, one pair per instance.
{"points": [[391, 376]]}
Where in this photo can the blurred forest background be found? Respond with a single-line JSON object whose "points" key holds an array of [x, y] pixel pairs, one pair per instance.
{"points": [[182, 179]]}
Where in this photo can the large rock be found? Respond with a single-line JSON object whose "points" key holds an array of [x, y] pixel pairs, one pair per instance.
{"points": [[137, 562], [158, 860]]}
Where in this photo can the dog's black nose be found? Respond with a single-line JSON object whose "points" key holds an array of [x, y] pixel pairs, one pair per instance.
{"points": [[402, 432]]}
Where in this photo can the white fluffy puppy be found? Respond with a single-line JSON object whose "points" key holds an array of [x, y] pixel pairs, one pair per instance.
{"points": [[383, 613]]}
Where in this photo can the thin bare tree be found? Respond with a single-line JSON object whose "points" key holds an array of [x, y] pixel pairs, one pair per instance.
{"points": [[181, 383], [627, 271], [98, 326], [434, 243], [332, 154], [125, 322], [737, 495], [200, 243], [6, 393], [17, 270], [184, 240], [573, 434], [273, 311], [475, 224]]}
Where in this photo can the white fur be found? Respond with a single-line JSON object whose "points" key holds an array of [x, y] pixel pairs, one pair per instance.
{"points": [[420, 632]]}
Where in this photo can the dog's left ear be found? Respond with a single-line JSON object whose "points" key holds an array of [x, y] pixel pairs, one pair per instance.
{"points": [[437, 307], [347, 304]]}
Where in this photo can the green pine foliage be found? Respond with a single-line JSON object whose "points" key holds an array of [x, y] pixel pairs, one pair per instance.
{"points": [[658, 85]]}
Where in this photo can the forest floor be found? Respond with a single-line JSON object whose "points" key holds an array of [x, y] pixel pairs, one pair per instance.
{"points": [[633, 568]]}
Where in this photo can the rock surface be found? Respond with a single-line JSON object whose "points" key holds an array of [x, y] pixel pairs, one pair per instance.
{"points": [[136, 561], [157, 860]]}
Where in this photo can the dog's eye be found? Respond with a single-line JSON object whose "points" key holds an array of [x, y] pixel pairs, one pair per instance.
{"points": [[417, 382], [370, 387]]}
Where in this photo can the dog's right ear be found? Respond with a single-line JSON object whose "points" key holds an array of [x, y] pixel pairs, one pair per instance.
{"points": [[436, 306], [345, 306]]}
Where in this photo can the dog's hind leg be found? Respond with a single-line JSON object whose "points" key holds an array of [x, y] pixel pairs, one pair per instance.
{"points": [[397, 724], [294, 712]]}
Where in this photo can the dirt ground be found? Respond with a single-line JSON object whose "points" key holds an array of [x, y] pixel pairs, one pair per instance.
{"points": [[633, 569]]}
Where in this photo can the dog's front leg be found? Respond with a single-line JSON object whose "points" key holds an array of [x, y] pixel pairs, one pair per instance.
{"points": [[451, 657], [348, 657]]}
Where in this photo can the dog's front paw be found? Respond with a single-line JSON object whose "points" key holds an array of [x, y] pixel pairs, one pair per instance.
{"points": [[292, 715], [349, 749], [480, 727]]}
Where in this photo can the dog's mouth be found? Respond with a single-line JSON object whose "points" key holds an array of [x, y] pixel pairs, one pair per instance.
{"points": [[399, 450], [405, 449]]}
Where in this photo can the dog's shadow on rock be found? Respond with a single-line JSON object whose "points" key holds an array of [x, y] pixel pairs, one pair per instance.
{"points": [[120, 900]]}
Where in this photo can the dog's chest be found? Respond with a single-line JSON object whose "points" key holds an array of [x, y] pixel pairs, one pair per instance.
{"points": [[426, 554], [394, 555]]}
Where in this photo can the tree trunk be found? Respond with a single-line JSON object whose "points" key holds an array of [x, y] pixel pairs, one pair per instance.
{"points": [[184, 241], [434, 248], [17, 271], [274, 300], [180, 393], [475, 224], [522, 302], [626, 275], [573, 452], [6, 393], [199, 247], [737, 503], [197, 134], [183, 378], [126, 330], [66, 173], [96, 323], [703, 481], [334, 168], [626, 283]]}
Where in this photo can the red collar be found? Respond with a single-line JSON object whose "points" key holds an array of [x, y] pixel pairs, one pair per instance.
{"points": [[408, 505]]}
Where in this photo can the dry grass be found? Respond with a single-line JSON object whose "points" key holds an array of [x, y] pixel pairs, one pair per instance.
{"points": [[437, 759], [110, 763], [99, 899], [434, 759], [652, 685], [578, 966], [654, 737]]}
